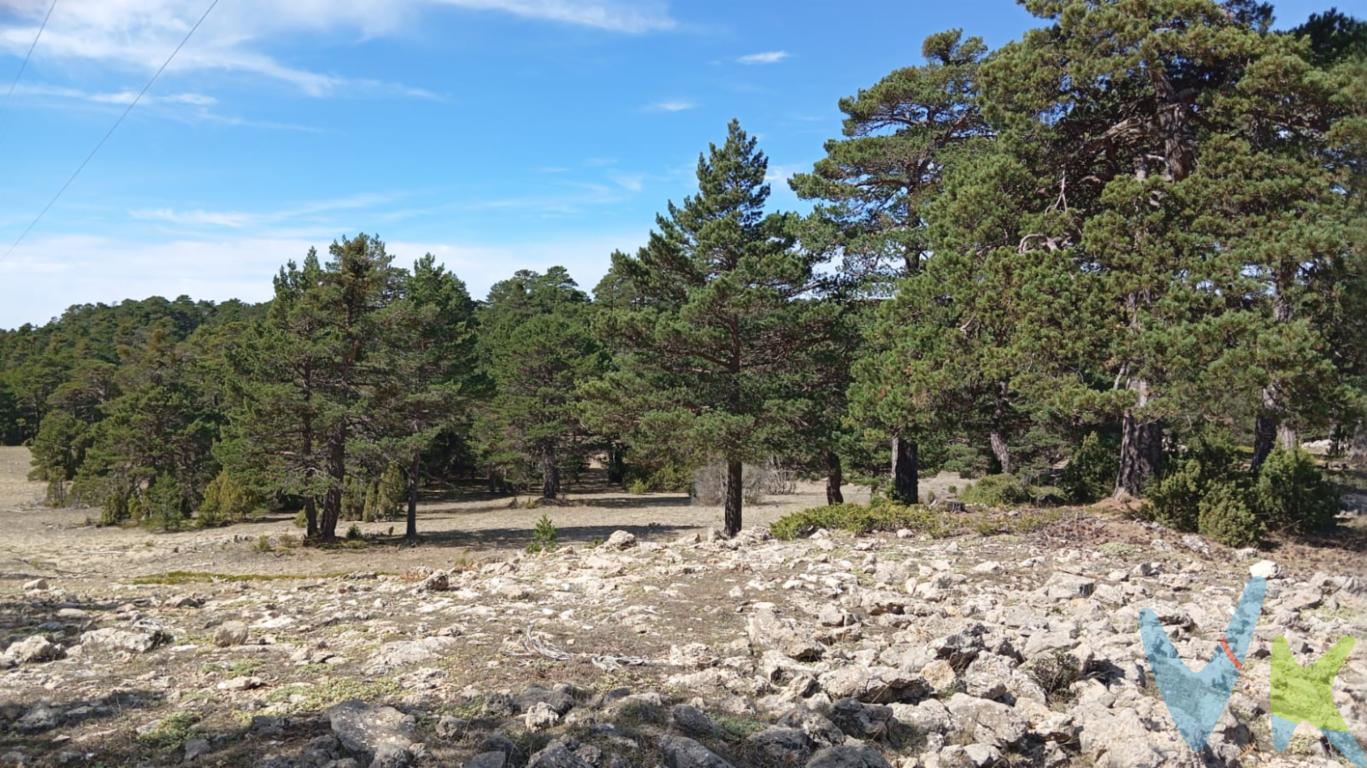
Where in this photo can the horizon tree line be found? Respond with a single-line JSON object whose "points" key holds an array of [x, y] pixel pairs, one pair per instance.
{"points": [[1133, 227]]}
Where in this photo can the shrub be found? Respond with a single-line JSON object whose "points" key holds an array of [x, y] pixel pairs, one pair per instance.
{"points": [[165, 504], [1291, 493], [354, 533], [1175, 499], [668, 478], [354, 491], [388, 496], [1226, 517], [225, 501], [1091, 470], [997, 491], [857, 519], [301, 519], [543, 536]]}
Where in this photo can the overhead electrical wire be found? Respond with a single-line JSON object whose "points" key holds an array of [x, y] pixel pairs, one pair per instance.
{"points": [[10, 94], [109, 133]]}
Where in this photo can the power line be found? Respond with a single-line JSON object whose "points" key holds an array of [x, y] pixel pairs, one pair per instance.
{"points": [[109, 133], [27, 56]]}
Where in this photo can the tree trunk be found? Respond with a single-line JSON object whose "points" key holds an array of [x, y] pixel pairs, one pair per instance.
{"points": [[735, 495], [997, 438], [835, 477], [617, 466], [1287, 439], [1000, 452], [1264, 436], [332, 502], [904, 471], [1141, 454], [311, 518], [550, 474], [414, 466]]}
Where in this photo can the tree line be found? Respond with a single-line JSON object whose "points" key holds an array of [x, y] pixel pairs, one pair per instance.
{"points": [[1087, 256]]}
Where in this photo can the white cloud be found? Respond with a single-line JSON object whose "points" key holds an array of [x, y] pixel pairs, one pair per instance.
{"points": [[139, 34], [121, 98], [768, 57], [629, 17], [239, 219], [47, 275], [675, 105], [632, 182]]}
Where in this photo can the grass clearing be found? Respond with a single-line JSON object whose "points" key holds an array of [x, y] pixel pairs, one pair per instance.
{"points": [[172, 578]]}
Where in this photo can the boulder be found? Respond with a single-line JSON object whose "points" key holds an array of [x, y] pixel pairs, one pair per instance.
{"points": [[30, 650], [559, 754], [620, 540], [110, 640], [848, 757], [540, 716], [372, 730], [781, 747], [1066, 586], [985, 721], [766, 630], [683, 752], [692, 721], [404, 653], [860, 720], [230, 633]]}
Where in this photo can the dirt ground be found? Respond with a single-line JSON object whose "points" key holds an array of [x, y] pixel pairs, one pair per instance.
{"points": [[322, 622], [38, 541]]}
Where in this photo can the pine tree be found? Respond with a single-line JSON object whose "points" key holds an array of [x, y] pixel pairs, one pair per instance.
{"points": [[537, 347], [709, 338], [309, 374], [875, 184], [427, 371]]}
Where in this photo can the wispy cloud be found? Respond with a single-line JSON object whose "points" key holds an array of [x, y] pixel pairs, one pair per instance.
{"points": [[768, 57], [628, 17], [672, 105], [138, 34], [241, 219], [113, 97]]}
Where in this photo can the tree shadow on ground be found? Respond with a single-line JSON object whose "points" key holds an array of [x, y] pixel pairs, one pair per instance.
{"points": [[21, 614], [505, 538], [38, 729]]}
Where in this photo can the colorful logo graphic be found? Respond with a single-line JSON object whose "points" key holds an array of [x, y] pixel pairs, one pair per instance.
{"points": [[1196, 699], [1305, 695], [1299, 694]]}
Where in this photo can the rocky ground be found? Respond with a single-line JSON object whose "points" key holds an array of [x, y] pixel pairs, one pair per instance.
{"points": [[663, 648]]}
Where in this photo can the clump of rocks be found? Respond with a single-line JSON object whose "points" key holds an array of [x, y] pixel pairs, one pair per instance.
{"points": [[832, 652]]}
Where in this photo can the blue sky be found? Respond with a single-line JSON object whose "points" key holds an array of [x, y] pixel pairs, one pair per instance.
{"points": [[497, 134]]}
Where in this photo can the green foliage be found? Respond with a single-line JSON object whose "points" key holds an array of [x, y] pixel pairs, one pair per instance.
{"points": [[998, 491], [1226, 516], [858, 519], [1090, 474], [387, 497], [172, 731], [1291, 494], [353, 533], [225, 501], [670, 477], [1175, 499], [537, 348], [166, 506], [543, 536], [705, 348]]}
